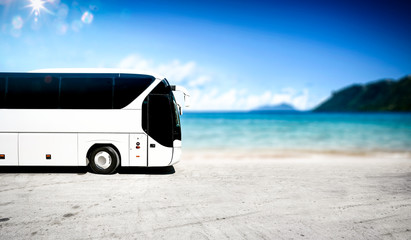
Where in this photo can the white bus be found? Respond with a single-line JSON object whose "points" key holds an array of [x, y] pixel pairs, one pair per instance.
{"points": [[82, 117]]}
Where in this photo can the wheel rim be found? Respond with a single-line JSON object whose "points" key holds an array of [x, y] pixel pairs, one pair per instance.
{"points": [[102, 160]]}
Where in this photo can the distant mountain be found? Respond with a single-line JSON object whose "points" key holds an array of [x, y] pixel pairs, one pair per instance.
{"points": [[383, 95], [279, 107]]}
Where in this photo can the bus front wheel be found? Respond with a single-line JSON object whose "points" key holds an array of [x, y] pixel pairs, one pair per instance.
{"points": [[104, 160]]}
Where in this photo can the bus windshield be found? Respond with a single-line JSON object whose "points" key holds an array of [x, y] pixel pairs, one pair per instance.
{"points": [[161, 111]]}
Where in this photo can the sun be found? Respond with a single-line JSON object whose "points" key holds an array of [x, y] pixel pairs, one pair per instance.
{"points": [[36, 6]]}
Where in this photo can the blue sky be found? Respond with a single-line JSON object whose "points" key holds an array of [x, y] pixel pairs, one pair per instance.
{"points": [[231, 55]]}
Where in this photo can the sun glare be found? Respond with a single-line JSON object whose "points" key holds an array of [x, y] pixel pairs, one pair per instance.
{"points": [[37, 6]]}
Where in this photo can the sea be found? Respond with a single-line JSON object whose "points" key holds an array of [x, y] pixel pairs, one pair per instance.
{"points": [[346, 133]]}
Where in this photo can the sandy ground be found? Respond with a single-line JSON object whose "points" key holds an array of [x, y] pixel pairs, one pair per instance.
{"points": [[213, 197]]}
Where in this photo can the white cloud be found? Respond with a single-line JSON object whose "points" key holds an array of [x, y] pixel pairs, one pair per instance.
{"points": [[213, 99], [254, 101], [234, 99], [298, 99], [174, 70], [206, 96], [136, 62], [201, 80], [178, 71]]}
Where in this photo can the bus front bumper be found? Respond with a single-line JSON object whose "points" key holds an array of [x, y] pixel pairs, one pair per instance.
{"points": [[176, 152]]}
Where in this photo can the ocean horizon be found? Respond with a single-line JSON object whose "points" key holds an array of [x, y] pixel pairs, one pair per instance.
{"points": [[278, 132]]}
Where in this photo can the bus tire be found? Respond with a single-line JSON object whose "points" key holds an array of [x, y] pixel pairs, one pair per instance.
{"points": [[104, 160]]}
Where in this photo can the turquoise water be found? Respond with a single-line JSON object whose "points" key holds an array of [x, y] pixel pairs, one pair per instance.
{"points": [[346, 132]]}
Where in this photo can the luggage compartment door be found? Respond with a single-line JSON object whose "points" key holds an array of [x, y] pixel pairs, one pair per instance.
{"points": [[48, 149], [8, 149]]}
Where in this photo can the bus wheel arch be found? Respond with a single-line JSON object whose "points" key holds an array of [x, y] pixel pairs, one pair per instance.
{"points": [[103, 158]]}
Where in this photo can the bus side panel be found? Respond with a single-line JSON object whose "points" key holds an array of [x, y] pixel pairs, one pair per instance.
{"points": [[70, 121], [158, 155], [87, 140], [48, 149], [176, 152], [8, 149]]}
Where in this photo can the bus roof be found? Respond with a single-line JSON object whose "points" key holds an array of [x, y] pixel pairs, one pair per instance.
{"points": [[118, 71]]}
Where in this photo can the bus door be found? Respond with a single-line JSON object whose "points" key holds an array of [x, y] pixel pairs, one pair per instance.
{"points": [[159, 127], [138, 150]]}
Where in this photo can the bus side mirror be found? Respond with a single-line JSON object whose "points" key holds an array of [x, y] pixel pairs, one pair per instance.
{"points": [[180, 109], [186, 100], [185, 92]]}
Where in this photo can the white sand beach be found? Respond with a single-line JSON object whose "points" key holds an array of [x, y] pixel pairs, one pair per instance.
{"points": [[214, 196]]}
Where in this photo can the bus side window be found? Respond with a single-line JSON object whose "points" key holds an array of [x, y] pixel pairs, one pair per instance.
{"points": [[128, 89], [2, 91], [32, 92], [86, 93]]}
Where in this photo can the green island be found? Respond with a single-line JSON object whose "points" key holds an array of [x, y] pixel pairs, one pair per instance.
{"points": [[385, 95]]}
